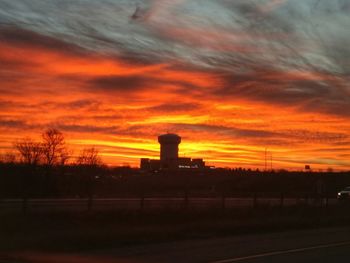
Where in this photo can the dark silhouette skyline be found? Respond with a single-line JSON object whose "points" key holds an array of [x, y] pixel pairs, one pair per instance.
{"points": [[169, 156]]}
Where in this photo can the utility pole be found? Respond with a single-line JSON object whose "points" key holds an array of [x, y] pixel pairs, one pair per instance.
{"points": [[271, 161], [265, 159]]}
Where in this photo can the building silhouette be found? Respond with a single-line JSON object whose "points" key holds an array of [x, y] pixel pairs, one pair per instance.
{"points": [[169, 156], [169, 147]]}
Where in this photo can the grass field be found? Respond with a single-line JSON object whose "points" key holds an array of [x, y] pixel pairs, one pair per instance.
{"points": [[71, 232]]}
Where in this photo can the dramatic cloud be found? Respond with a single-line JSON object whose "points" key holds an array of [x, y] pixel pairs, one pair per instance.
{"points": [[231, 77]]}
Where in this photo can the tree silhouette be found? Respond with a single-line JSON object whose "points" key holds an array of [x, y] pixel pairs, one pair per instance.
{"points": [[89, 163], [8, 158], [89, 157], [54, 148], [31, 152]]}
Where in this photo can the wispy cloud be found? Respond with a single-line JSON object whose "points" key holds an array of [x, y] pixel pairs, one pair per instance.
{"points": [[247, 73]]}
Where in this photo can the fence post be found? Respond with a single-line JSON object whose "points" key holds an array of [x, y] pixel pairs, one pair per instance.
{"points": [[223, 202], [186, 199], [282, 200], [24, 205], [142, 202], [255, 200], [89, 202], [306, 199]]}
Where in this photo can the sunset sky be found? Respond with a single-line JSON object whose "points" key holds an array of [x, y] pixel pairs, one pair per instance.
{"points": [[231, 77]]}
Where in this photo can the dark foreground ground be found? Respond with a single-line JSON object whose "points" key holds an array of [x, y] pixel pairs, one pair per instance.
{"points": [[86, 231], [324, 245]]}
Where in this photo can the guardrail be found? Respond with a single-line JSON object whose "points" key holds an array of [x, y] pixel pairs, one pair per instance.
{"points": [[154, 203]]}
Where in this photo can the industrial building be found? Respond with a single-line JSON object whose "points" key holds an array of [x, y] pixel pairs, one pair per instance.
{"points": [[169, 156]]}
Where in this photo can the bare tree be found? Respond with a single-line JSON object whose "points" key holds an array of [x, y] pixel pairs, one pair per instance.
{"points": [[8, 157], [54, 148], [89, 157], [89, 162], [30, 151], [64, 156]]}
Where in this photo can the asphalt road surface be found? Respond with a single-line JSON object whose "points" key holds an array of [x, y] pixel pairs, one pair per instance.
{"points": [[332, 252], [318, 245]]}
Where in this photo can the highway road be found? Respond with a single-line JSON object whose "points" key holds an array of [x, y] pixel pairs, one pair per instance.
{"points": [[317, 245], [330, 252]]}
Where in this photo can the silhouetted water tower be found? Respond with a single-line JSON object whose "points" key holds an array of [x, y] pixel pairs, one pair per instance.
{"points": [[169, 147]]}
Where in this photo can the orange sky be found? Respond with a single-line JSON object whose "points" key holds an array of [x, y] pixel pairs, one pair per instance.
{"points": [[120, 103]]}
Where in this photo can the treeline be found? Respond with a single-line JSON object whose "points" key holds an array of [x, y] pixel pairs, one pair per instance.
{"points": [[50, 152], [77, 181], [47, 168]]}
